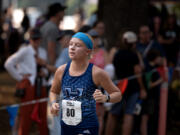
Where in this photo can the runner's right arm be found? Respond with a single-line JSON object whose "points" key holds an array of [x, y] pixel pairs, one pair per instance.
{"points": [[55, 90]]}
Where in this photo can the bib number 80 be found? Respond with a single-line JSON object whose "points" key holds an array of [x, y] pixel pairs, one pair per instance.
{"points": [[70, 112]]}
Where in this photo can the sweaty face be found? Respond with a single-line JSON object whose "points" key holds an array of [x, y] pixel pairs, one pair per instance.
{"points": [[77, 49]]}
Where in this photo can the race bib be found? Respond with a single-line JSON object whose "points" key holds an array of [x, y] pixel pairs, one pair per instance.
{"points": [[71, 112]]}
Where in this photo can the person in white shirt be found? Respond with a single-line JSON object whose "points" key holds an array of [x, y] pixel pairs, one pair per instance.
{"points": [[22, 64], [22, 67]]}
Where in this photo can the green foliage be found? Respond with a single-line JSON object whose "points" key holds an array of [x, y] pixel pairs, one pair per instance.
{"points": [[27, 3], [73, 5], [90, 8]]}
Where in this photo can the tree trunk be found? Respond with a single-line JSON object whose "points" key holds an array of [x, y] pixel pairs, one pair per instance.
{"points": [[122, 15]]}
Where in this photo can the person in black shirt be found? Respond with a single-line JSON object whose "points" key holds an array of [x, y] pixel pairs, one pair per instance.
{"points": [[126, 63]]}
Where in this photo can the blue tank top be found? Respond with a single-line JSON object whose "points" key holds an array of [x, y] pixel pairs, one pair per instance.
{"points": [[81, 88]]}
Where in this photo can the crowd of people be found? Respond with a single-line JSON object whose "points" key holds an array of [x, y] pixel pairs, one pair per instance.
{"points": [[68, 66]]}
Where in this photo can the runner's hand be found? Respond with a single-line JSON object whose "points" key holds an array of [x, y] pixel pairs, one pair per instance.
{"points": [[55, 109], [99, 96]]}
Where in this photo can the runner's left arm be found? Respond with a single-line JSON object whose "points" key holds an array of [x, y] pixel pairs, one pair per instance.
{"points": [[102, 79]]}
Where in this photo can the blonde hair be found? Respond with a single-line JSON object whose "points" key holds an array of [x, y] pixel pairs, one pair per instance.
{"points": [[90, 54], [90, 38]]}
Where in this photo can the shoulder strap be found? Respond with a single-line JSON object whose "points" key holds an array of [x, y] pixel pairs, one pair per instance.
{"points": [[67, 68]]}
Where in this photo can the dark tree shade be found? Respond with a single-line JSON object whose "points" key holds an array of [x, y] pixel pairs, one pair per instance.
{"points": [[122, 15]]}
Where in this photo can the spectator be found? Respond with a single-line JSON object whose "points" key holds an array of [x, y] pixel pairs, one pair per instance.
{"points": [[25, 22], [7, 29], [130, 67], [156, 27], [99, 26], [50, 31], [146, 43], [23, 68], [64, 41], [150, 109], [99, 54], [63, 58], [169, 39]]}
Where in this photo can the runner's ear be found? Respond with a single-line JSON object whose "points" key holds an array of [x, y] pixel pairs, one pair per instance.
{"points": [[88, 52]]}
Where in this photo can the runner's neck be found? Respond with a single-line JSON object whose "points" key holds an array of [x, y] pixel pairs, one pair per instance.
{"points": [[78, 68]]}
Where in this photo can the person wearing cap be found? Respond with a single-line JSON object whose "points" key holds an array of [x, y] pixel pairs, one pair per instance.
{"points": [[126, 63], [78, 80], [22, 67], [50, 31]]}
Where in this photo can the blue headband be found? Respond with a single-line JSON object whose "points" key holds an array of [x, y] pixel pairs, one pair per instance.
{"points": [[83, 37]]}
